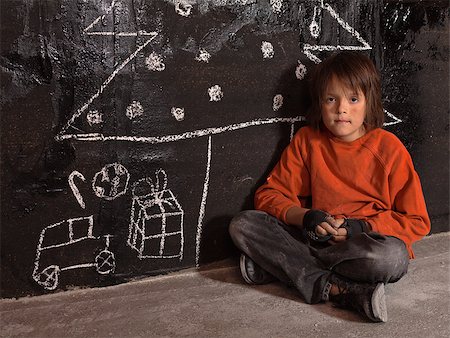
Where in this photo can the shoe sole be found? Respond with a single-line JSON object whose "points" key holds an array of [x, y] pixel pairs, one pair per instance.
{"points": [[242, 266], [379, 307]]}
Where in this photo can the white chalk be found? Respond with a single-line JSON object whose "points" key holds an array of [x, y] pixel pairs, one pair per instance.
{"points": [[201, 214], [104, 85], [115, 177], [183, 8], [309, 49], [74, 188], [155, 62], [267, 50], [300, 71], [277, 102], [153, 204], [93, 137], [392, 116], [178, 113], [276, 5], [134, 110], [203, 56], [94, 117], [315, 26], [215, 93], [48, 277]]}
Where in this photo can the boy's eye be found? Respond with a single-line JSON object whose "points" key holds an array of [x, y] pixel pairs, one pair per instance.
{"points": [[354, 99], [330, 99]]}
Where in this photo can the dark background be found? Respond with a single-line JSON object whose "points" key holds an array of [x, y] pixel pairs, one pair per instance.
{"points": [[50, 69]]}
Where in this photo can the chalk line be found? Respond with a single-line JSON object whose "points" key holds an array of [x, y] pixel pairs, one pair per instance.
{"points": [[100, 17], [104, 85], [392, 116], [308, 49], [92, 137], [146, 194], [120, 34], [203, 205], [74, 188]]}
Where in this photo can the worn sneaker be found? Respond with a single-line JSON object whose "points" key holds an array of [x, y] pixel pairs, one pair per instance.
{"points": [[367, 299], [252, 273]]}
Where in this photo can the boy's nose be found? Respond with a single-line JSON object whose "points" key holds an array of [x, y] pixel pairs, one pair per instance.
{"points": [[342, 107]]}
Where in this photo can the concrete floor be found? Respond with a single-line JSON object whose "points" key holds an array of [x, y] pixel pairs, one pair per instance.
{"points": [[215, 302]]}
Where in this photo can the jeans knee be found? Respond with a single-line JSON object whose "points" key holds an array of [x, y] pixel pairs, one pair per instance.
{"points": [[393, 263], [377, 258], [242, 224]]}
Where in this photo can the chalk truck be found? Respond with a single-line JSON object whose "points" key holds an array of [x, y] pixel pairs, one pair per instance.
{"points": [[69, 241]]}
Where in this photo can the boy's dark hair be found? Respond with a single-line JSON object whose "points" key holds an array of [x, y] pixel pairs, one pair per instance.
{"points": [[357, 72]]}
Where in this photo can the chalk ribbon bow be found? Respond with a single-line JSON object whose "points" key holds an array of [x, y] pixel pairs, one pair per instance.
{"points": [[157, 189]]}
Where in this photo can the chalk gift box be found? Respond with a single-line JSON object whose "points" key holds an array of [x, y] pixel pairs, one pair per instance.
{"points": [[156, 222]]}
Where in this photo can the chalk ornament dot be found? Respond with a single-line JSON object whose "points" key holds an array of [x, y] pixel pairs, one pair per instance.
{"points": [[134, 110], [300, 71], [155, 62], [183, 8], [277, 102], [215, 93], [178, 113], [267, 50], [276, 5], [94, 117], [111, 182], [203, 56]]}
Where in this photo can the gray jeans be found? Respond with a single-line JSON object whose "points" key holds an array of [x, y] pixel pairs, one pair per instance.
{"points": [[283, 251]]}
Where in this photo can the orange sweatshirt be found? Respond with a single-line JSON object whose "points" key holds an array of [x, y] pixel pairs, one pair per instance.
{"points": [[371, 178]]}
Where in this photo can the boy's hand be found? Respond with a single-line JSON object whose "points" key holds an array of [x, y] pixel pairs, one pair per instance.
{"points": [[348, 228], [333, 227], [329, 227], [317, 225]]}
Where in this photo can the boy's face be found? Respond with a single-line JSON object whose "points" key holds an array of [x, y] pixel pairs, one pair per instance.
{"points": [[343, 111]]}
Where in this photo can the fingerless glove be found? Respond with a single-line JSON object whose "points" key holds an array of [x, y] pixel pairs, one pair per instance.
{"points": [[354, 227], [311, 220]]}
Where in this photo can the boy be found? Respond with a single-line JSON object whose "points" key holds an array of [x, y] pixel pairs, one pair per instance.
{"points": [[338, 214]]}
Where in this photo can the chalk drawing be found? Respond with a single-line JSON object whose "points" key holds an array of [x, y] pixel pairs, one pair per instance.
{"points": [[74, 188], [215, 93], [100, 18], [52, 242], [276, 5], [201, 215], [316, 23], [203, 56], [267, 50], [178, 113], [99, 21], [155, 62], [183, 8], [309, 50], [291, 136], [156, 218], [300, 71], [393, 117], [277, 102], [154, 212], [94, 117], [147, 36], [134, 110], [94, 137], [111, 182]]}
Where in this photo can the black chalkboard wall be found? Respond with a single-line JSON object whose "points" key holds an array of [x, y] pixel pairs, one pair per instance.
{"points": [[132, 131]]}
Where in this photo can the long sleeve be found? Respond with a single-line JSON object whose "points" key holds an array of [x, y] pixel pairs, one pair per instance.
{"points": [[407, 219], [288, 180]]}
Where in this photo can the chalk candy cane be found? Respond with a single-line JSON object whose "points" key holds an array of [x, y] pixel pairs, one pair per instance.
{"points": [[74, 188]]}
